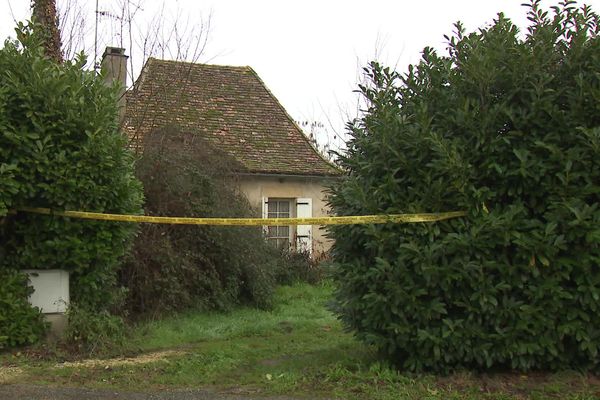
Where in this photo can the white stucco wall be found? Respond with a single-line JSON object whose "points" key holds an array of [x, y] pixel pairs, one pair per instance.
{"points": [[257, 187]]}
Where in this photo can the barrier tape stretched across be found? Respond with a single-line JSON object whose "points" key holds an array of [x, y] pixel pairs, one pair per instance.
{"points": [[351, 220]]}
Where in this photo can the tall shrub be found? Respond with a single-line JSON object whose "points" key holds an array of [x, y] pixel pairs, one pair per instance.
{"points": [[176, 267], [506, 127], [60, 147]]}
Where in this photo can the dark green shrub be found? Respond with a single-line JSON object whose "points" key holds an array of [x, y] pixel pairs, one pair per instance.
{"points": [[507, 128], [19, 322], [94, 332], [299, 267], [174, 267], [60, 147]]}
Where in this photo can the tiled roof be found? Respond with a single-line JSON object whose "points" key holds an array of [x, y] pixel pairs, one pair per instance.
{"points": [[229, 106]]}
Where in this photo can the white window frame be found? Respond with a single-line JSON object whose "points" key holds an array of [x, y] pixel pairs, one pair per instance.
{"points": [[281, 241], [300, 237]]}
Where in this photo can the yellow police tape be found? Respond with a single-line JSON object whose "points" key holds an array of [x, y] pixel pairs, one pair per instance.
{"points": [[352, 220]]}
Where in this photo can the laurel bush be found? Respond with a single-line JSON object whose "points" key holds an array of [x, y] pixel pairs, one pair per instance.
{"points": [[20, 323], [60, 147], [506, 126]]}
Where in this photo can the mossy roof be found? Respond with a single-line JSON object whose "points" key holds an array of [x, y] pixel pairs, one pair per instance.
{"points": [[231, 108]]}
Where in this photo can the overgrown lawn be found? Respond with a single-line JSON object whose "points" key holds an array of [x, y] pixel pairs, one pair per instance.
{"points": [[297, 349]]}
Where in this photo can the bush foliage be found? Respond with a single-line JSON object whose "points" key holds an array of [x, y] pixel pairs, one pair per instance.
{"points": [[174, 267], [19, 323], [506, 127], [300, 266], [60, 147]]}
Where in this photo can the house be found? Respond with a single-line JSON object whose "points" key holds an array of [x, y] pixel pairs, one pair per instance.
{"points": [[281, 172]]}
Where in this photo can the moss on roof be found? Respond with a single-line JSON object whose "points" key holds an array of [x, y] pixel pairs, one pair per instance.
{"points": [[229, 106]]}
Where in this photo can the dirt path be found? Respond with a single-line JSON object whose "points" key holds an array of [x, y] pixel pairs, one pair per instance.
{"points": [[11, 374], [13, 391], [117, 362], [7, 374], [31, 392]]}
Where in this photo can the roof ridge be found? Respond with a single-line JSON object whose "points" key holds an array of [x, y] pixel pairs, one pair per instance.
{"points": [[162, 60]]}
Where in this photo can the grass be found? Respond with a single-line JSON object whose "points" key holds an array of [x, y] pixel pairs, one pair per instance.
{"points": [[298, 348], [299, 308]]}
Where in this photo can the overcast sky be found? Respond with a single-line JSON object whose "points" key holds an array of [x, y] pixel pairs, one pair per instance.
{"points": [[309, 53]]}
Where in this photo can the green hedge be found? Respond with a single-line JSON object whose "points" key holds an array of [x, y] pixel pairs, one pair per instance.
{"points": [[506, 127], [19, 323], [60, 147]]}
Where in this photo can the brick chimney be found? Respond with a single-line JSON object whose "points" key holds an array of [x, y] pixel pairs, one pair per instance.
{"points": [[114, 68]]}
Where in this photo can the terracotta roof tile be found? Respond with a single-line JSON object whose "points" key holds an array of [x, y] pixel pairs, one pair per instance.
{"points": [[229, 106]]}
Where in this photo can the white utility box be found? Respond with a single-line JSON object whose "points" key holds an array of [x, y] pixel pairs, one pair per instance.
{"points": [[51, 290]]}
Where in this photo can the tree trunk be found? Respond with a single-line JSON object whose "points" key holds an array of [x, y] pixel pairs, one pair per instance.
{"points": [[44, 14]]}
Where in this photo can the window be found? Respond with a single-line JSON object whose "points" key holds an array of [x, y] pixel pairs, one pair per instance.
{"points": [[280, 236], [298, 237]]}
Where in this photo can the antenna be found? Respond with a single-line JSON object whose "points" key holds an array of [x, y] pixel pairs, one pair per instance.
{"points": [[109, 15], [96, 40]]}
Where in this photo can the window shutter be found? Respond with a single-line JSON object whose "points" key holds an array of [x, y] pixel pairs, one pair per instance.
{"points": [[265, 207], [265, 213], [304, 232]]}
